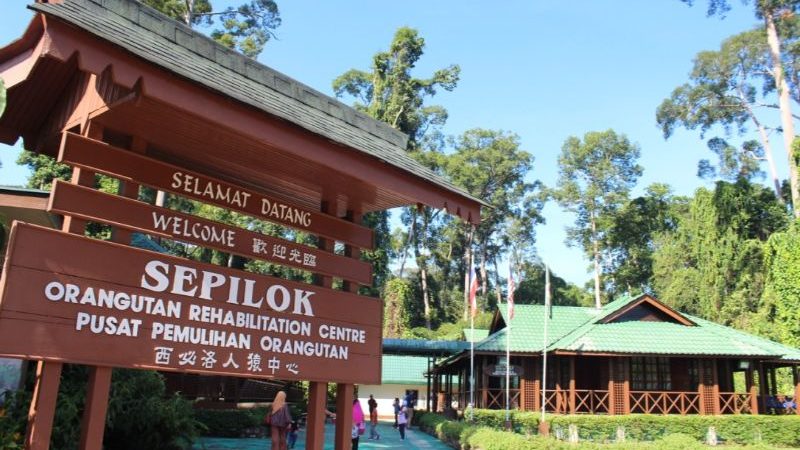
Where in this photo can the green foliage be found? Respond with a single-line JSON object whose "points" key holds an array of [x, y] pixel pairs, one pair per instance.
{"points": [[44, 169], [140, 414], [396, 296], [246, 28], [391, 94], [229, 422], [711, 265], [600, 432], [781, 311]]}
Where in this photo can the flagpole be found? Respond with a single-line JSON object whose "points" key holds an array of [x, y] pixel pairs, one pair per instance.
{"points": [[471, 345], [544, 340], [508, 365]]}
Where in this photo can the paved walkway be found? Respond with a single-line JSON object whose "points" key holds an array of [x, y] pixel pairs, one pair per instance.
{"points": [[390, 439]]}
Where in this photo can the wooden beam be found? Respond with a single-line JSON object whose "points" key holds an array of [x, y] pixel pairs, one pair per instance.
{"points": [[715, 384], [93, 424], [344, 416], [612, 409], [43, 405], [315, 424], [572, 385]]}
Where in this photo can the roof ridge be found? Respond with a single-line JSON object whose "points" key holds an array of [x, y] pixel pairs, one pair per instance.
{"points": [[181, 34]]}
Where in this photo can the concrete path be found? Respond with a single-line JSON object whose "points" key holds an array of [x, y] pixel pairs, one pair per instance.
{"points": [[390, 439]]}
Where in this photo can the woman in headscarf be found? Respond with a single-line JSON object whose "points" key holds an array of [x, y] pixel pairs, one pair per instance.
{"points": [[279, 420], [358, 423]]}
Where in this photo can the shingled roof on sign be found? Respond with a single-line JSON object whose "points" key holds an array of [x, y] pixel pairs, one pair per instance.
{"points": [[174, 46]]}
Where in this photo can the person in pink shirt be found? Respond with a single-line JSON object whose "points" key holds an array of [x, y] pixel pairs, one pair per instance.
{"points": [[358, 423]]}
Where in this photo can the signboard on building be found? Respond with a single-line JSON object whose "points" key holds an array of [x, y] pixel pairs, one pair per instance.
{"points": [[76, 299]]}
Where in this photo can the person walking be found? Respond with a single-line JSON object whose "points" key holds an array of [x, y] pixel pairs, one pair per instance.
{"points": [[401, 422], [373, 418], [278, 418], [358, 423], [410, 403], [396, 406]]}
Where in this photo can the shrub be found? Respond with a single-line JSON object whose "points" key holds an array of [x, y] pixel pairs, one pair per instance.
{"points": [[229, 422]]}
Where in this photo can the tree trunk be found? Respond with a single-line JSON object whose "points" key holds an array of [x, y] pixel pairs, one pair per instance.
{"points": [[596, 254], [762, 133], [484, 276], [785, 106], [189, 12], [411, 231], [497, 282], [425, 295]]}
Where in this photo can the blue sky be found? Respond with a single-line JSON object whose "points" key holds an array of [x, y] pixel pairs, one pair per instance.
{"points": [[545, 70]]}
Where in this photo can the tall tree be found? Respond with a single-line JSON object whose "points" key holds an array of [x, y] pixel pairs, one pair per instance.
{"points": [[632, 235], [722, 90], [595, 176], [246, 28], [774, 13], [491, 166], [390, 93]]}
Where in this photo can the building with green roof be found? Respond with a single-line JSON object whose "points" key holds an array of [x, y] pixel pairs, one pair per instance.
{"points": [[634, 355]]}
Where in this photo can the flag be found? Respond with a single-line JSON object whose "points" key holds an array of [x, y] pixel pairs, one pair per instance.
{"points": [[473, 291], [511, 287]]}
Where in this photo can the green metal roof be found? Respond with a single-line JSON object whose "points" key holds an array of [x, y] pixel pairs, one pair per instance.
{"points": [[404, 369], [577, 329], [419, 347], [172, 45], [528, 323], [476, 335]]}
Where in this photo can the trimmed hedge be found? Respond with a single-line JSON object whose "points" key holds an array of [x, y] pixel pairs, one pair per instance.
{"points": [[596, 432], [229, 422], [738, 429]]}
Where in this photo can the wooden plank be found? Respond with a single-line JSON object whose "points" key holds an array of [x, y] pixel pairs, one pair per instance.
{"points": [[118, 211], [192, 317], [315, 423], [344, 416], [101, 157], [94, 414], [43, 405]]}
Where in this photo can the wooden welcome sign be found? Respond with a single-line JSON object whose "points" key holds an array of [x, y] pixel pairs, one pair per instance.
{"points": [[75, 299]]}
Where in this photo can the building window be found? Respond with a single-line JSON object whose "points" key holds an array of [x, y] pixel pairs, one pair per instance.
{"points": [[650, 374]]}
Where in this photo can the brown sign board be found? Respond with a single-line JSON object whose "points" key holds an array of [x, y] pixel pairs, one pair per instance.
{"points": [[74, 299], [101, 157], [93, 205]]}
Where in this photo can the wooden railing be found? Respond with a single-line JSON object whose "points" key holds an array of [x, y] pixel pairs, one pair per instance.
{"points": [[662, 402], [591, 401], [556, 401], [496, 398], [735, 403]]}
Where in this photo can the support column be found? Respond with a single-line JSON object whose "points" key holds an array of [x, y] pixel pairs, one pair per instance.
{"points": [[344, 416], [715, 386], [572, 385], [626, 385], [762, 387], [796, 389], [751, 388], [429, 386], [315, 423], [612, 409], [93, 423], [43, 405]]}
